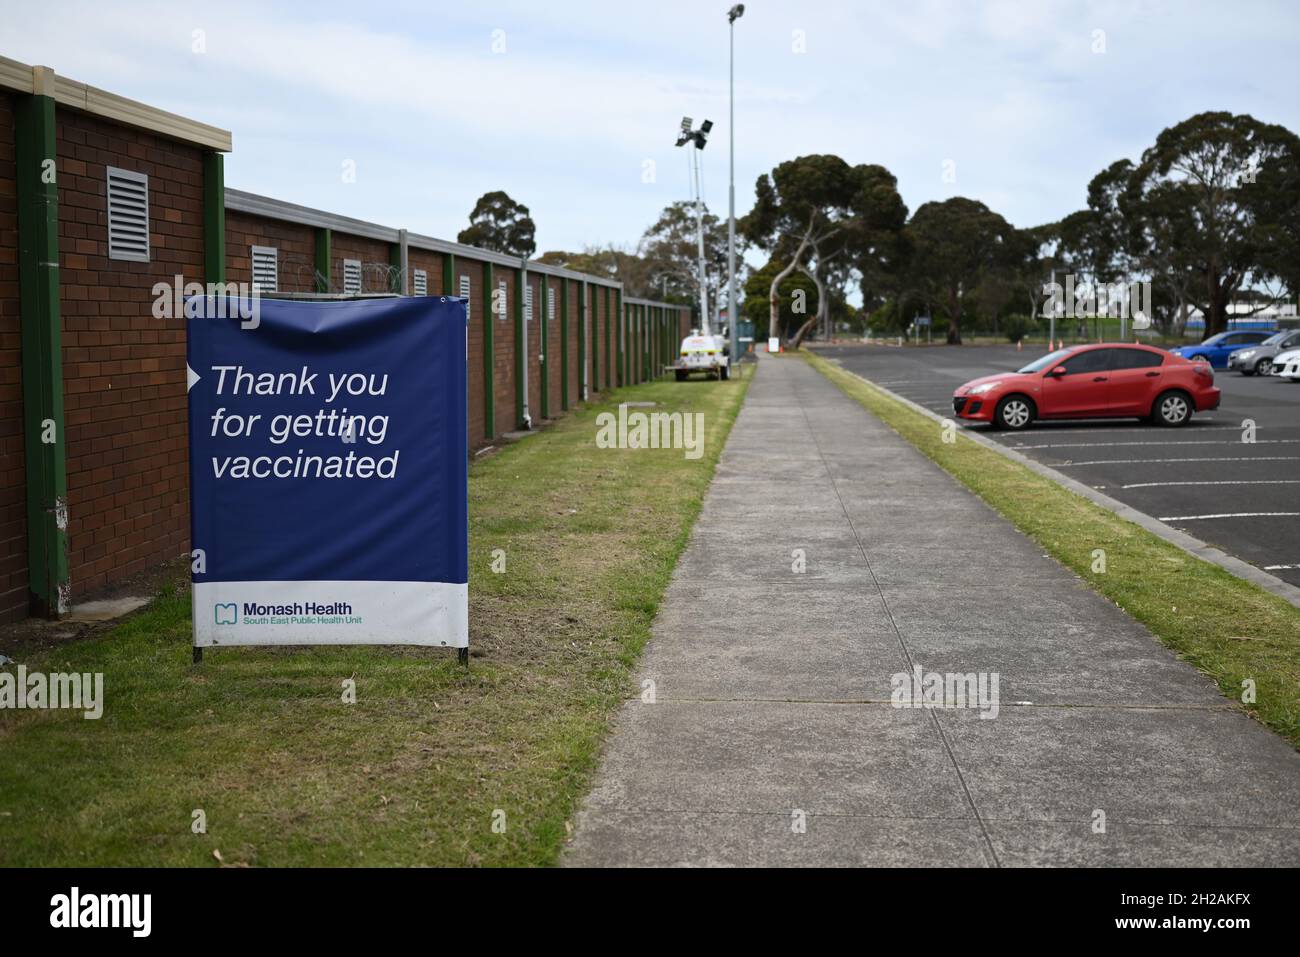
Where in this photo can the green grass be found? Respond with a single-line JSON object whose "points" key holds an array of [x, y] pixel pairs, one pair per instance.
{"points": [[1229, 628], [288, 774]]}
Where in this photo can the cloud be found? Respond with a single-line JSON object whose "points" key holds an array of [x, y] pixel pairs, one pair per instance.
{"points": [[584, 93]]}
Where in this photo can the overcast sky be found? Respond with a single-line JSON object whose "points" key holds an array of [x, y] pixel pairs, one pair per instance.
{"points": [[566, 104]]}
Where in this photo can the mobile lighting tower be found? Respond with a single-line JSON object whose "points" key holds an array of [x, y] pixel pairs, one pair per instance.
{"points": [[699, 138]]}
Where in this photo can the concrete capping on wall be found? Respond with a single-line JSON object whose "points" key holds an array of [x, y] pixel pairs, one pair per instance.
{"points": [[265, 206], [43, 81], [251, 203], [633, 301]]}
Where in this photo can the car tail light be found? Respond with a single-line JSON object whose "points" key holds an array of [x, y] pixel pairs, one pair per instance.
{"points": [[1202, 369]]}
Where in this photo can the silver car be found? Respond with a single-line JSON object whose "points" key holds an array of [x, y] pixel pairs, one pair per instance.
{"points": [[1258, 359]]}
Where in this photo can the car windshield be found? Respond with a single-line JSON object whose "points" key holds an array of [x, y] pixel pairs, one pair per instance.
{"points": [[1275, 339], [1038, 365]]}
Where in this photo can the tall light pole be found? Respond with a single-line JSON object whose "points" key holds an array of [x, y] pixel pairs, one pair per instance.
{"points": [[698, 138], [733, 314]]}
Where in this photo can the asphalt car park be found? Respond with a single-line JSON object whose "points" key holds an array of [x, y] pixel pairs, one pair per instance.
{"points": [[1205, 478]]}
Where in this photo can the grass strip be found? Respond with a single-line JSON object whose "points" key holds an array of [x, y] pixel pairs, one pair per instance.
{"points": [[430, 756], [1231, 630]]}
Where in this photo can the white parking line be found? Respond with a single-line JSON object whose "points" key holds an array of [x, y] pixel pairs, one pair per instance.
{"points": [[1281, 568], [1111, 445], [1133, 429], [1224, 482], [1198, 518], [1248, 458]]}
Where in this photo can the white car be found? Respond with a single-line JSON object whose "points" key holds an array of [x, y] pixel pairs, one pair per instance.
{"points": [[707, 354], [1287, 365]]}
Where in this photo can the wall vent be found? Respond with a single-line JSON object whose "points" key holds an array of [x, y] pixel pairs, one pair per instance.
{"points": [[128, 215]]}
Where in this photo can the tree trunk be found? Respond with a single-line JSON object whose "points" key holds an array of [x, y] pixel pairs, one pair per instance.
{"points": [[823, 307], [803, 331], [954, 321], [1217, 294], [774, 296]]}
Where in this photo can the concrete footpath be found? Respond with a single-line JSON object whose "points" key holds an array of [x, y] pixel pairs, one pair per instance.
{"points": [[772, 738]]}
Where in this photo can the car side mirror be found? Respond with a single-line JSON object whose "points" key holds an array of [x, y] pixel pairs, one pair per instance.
{"points": [[1058, 371]]}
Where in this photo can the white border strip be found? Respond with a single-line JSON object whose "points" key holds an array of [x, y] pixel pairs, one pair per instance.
{"points": [[331, 613]]}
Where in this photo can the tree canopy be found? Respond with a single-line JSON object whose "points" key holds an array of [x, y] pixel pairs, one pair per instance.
{"points": [[500, 224]]}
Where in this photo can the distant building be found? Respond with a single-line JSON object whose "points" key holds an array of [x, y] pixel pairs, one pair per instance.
{"points": [[1280, 315]]}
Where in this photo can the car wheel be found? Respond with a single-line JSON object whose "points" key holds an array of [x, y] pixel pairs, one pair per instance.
{"points": [[1262, 366], [724, 373], [1015, 412], [681, 374], [1172, 409], [1202, 359]]}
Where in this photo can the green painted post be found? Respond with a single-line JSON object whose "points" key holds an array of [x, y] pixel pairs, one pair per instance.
{"points": [[519, 348], [663, 338], [590, 362], [44, 439], [544, 341], [489, 347], [584, 311], [323, 265], [615, 345], [395, 268], [652, 355], [564, 345], [214, 218], [619, 329], [449, 275]]}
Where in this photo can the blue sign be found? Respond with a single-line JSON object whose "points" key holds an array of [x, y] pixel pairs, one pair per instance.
{"points": [[328, 482]]}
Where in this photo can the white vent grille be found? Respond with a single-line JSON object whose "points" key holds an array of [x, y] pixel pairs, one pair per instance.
{"points": [[351, 275], [465, 289], [550, 305], [266, 268], [128, 215], [503, 298], [528, 303], [420, 282]]}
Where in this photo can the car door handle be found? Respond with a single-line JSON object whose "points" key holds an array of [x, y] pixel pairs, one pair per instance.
{"points": [[1100, 378], [1152, 375]]}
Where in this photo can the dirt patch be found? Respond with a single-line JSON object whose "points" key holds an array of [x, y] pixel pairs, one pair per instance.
{"points": [[21, 640]]}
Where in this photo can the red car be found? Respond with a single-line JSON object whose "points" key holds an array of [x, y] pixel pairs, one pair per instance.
{"points": [[1092, 382]]}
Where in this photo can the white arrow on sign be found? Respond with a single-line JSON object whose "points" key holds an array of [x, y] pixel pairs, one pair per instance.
{"points": [[191, 377]]}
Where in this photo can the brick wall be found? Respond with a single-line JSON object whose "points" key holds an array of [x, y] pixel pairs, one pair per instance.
{"points": [[373, 255], [124, 370], [294, 243], [13, 496]]}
